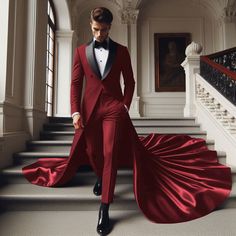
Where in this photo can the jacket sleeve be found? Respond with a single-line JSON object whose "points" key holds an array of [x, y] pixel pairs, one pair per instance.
{"points": [[76, 83], [128, 76]]}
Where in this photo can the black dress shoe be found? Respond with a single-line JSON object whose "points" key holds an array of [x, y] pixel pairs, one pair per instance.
{"points": [[103, 227], [97, 189]]}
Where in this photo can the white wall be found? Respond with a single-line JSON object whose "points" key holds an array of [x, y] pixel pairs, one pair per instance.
{"points": [[168, 16]]}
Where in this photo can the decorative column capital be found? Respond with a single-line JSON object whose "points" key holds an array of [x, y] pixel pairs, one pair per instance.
{"points": [[228, 15], [129, 15]]}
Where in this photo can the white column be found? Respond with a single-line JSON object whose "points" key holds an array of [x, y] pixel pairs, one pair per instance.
{"points": [[35, 79], [4, 17], [12, 77], [229, 29], [64, 42], [191, 66], [129, 17]]}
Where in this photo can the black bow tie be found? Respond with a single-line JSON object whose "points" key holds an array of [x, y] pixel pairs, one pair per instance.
{"points": [[100, 44]]}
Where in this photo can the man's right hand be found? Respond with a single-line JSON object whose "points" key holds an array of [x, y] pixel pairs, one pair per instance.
{"points": [[76, 121]]}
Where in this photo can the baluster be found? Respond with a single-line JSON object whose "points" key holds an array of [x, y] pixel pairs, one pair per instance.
{"points": [[232, 125], [205, 98], [218, 111], [211, 105], [198, 91], [224, 118]]}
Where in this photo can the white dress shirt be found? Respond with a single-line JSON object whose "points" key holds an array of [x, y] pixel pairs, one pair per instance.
{"points": [[101, 56]]}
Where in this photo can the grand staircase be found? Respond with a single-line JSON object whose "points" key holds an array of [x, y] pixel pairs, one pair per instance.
{"points": [[32, 210]]}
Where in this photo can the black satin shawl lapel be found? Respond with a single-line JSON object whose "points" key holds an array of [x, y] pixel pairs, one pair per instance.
{"points": [[111, 57], [91, 58]]}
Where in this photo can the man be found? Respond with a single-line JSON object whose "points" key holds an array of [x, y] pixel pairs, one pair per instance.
{"points": [[101, 62], [174, 175]]}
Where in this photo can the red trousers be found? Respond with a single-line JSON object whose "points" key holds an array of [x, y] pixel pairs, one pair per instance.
{"points": [[102, 135]]}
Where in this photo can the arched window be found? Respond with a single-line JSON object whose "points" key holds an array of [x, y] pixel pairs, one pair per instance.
{"points": [[51, 29]]}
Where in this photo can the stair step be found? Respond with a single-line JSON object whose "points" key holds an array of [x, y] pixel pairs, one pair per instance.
{"points": [[17, 194], [65, 145], [13, 175], [31, 197], [124, 223], [139, 120], [164, 121], [68, 135], [29, 157], [143, 127]]}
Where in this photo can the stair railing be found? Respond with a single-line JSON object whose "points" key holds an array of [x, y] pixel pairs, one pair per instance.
{"points": [[212, 89], [219, 69]]}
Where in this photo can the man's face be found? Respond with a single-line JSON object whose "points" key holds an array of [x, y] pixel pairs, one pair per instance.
{"points": [[100, 30]]}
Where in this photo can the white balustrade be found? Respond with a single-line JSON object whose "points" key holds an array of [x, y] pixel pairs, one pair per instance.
{"points": [[216, 107], [212, 110]]}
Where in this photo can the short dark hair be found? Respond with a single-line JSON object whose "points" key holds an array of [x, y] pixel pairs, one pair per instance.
{"points": [[101, 15]]}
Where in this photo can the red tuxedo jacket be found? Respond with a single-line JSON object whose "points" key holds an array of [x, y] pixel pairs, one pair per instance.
{"points": [[85, 68]]}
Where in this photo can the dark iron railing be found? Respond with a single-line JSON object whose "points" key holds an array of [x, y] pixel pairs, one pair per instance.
{"points": [[219, 69]]}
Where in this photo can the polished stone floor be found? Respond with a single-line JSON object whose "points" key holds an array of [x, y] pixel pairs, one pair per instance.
{"points": [[125, 223]]}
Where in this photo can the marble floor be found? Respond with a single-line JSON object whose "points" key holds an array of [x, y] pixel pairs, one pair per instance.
{"points": [[125, 223]]}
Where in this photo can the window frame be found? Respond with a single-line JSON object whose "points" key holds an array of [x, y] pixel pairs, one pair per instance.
{"points": [[50, 52]]}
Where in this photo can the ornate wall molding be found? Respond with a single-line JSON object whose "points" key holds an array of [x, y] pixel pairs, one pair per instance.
{"points": [[129, 15], [229, 14], [219, 8], [117, 3]]}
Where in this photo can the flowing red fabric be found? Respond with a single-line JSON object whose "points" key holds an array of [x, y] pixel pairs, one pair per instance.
{"points": [[181, 178], [176, 177]]}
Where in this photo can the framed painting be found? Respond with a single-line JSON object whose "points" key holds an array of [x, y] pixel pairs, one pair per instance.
{"points": [[169, 54]]}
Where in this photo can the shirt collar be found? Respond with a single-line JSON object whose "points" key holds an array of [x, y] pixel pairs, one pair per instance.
{"points": [[107, 39]]}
